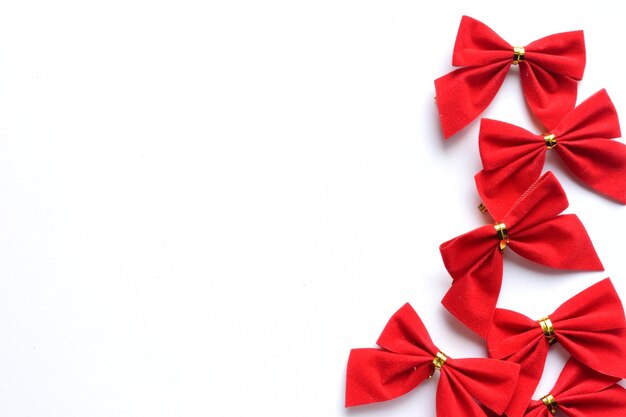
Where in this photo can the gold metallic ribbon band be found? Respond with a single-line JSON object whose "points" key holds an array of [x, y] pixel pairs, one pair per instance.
{"points": [[503, 234], [483, 208], [550, 140], [439, 360], [550, 402], [518, 54], [548, 329]]}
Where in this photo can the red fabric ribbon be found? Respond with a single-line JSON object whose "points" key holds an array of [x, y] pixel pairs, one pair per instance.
{"points": [[549, 72], [536, 232], [590, 326], [514, 157], [582, 392], [406, 360]]}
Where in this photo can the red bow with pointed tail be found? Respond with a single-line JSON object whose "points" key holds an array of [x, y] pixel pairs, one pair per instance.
{"points": [[533, 229], [550, 69], [514, 157], [408, 357], [581, 392], [590, 326]]}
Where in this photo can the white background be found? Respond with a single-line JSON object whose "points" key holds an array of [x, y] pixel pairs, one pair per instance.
{"points": [[205, 205]]}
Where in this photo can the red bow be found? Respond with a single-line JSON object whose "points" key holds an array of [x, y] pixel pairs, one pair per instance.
{"points": [[581, 392], [409, 357], [534, 230], [550, 69], [590, 326], [514, 157]]}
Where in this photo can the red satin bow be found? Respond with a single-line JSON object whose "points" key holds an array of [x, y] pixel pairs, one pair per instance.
{"points": [[408, 357], [581, 392], [550, 69], [534, 230], [590, 326], [514, 157]]}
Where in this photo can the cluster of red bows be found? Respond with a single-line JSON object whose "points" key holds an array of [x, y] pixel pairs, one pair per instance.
{"points": [[591, 331], [525, 209]]}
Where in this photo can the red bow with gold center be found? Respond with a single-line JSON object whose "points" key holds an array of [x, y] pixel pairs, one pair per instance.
{"points": [[534, 229], [408, 357], [550, 69]]}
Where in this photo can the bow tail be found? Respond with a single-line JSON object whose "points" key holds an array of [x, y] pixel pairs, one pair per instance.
{"points": [[550, 96], [453, 400], [472, 298], [465, 93], [476, 388], [531, 359], [376, 375], [599, 163], [490, 382]]}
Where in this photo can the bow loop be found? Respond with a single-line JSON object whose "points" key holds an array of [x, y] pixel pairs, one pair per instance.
{"points": [[479, 244], [510, 333], [563, 53], [594, 118], [597, 309], [549, 67], [478, 45], [577, 379], [561, 243], [501, 144], [375, 375], [405, 333]]}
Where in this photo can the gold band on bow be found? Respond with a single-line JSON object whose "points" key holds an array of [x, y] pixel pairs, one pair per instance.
{"points": [[483, 208], [548, 329], [518, 54], [550, 140], [503, 234], [439, 360], [550, 402]]}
